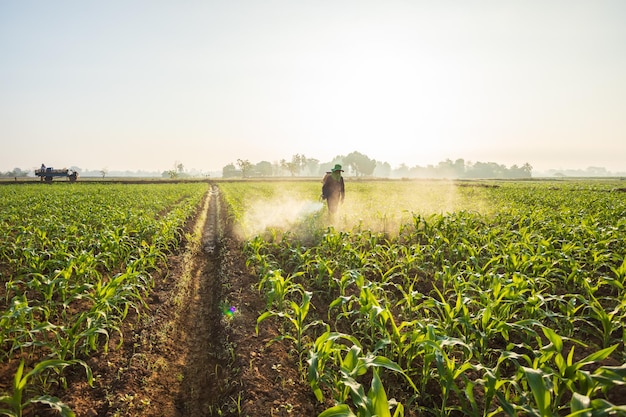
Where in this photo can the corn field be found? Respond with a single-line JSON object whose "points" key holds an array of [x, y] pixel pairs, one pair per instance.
{"points": [[75, 260], [443, 299], [420, 298]]}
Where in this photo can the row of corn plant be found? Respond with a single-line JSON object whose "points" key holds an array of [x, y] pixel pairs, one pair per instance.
{"points": [[75, 259], [517, 309]]}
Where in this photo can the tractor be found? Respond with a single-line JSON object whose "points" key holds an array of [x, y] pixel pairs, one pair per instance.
{"points": [[47, 174]]}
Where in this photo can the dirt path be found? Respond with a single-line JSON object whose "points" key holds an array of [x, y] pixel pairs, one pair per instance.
{"points": [[201, 328]]}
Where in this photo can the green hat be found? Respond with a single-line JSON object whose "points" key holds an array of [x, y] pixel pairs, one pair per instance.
{"points": [[337, 168]]}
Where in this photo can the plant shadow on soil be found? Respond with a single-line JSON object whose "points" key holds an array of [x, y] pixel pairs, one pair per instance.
{"points": [[192, 349]]}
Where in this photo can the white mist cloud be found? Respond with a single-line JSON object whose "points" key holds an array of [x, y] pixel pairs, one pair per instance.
{"points": [[280, 213]]}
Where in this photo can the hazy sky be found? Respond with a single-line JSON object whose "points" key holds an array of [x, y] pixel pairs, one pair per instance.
{"points": [[140, 85]]}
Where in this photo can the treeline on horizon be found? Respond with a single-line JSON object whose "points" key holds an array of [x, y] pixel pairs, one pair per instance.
{"points": [[354, 164], [360, 165]]}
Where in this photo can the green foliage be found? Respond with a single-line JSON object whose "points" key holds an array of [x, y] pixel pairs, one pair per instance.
{"points": [[74, 260], [514, 306], [17, 402]]}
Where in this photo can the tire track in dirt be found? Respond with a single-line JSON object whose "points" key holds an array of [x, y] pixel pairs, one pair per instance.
{"points": [[203, 369]]}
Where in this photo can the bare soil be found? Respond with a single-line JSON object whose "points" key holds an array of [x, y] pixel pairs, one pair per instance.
{"points": [[193, 349]]}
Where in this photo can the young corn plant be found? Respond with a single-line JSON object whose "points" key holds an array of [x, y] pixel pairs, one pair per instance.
{"points": [[373, 404], [295, 315], [18, 401], [331, 352], [277, 287], [609, 321], [549, 383]]}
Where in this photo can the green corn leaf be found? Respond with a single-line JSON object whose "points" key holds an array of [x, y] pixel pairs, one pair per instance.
{"points": [[381, 361], [314, 376], [351, 363], [580, 405], [341, 410], [603, 408], [597, 356], [378, 397], [540, 392], [262, 317], [55, 404], [399, 410], [611, 375], [555, 339], [5, 411], [18, 382], [357, 392]]}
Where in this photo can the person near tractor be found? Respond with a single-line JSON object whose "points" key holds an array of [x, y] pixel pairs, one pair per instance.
{"points": [[333, 189]]}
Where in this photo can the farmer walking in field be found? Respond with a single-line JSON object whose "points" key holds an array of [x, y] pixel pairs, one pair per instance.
{"points": [[333, 189]]}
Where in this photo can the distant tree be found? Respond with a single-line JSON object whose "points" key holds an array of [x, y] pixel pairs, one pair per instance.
{"points": [[18, 172], [277, 168], [360, 164], [596, 172], [295, 165], [412, 172], [104, 172], [487, 170], [513, 172], [312, 166], [459, 168], [445, 169], [245, 166], [383, 169], [300, 161], [402, 171], [177, 171], [264, 169], [448, 169], [519, 172], [229, 171], [528, 169]]}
